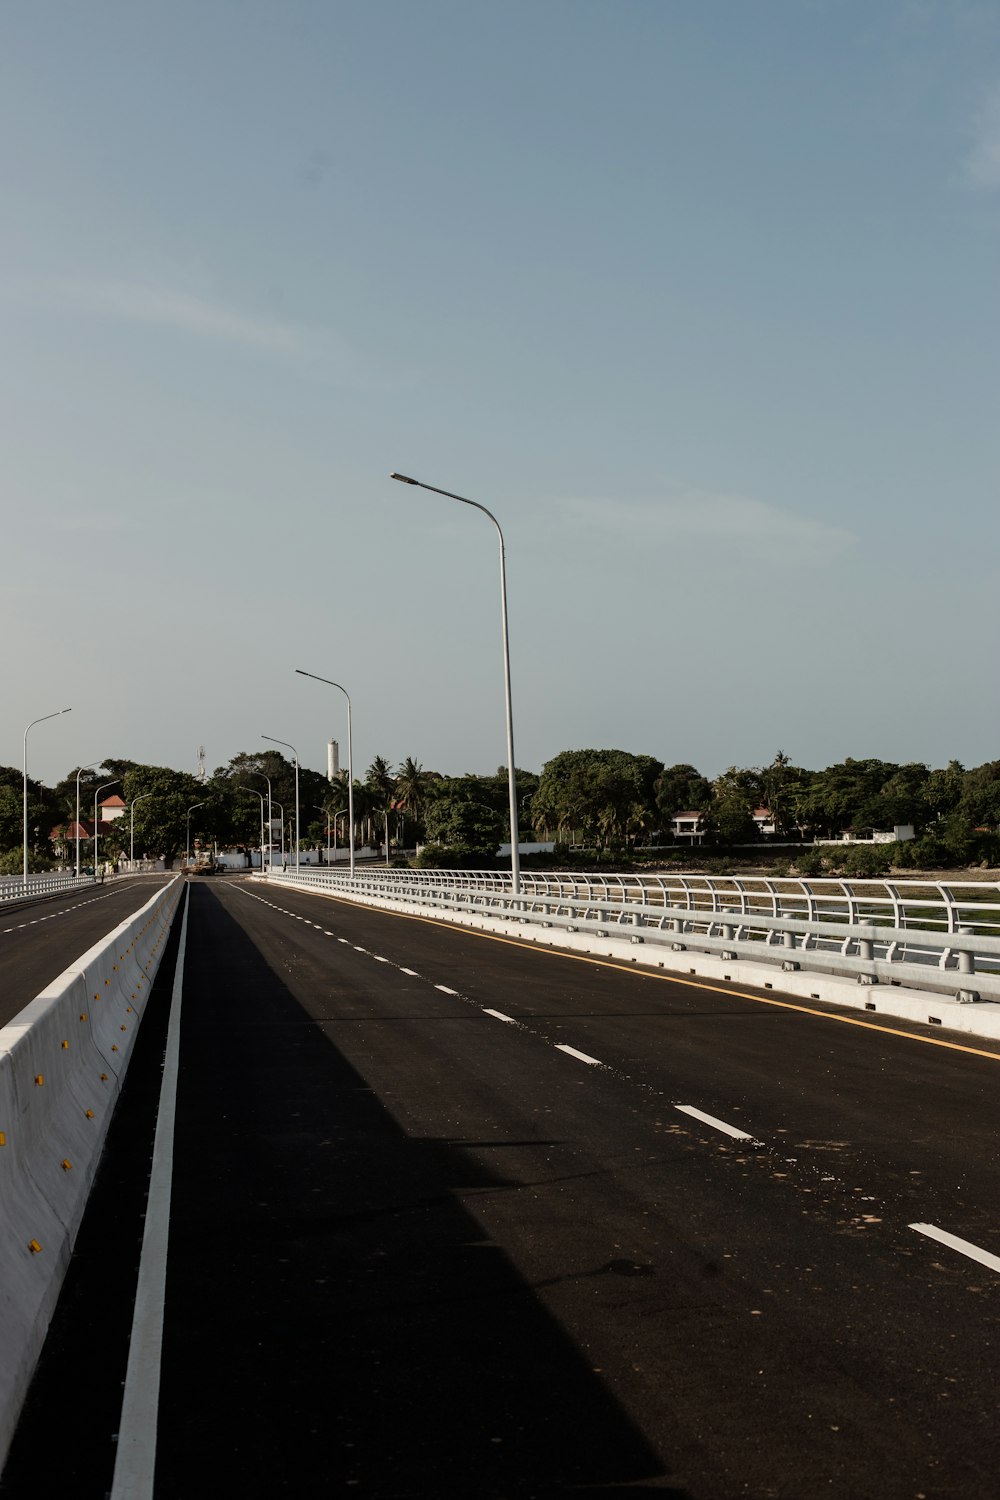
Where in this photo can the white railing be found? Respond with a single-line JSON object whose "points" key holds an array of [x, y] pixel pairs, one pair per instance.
{"points": [[13, 888], [898, 931]]}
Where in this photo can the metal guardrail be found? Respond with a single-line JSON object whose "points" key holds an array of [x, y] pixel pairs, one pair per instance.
{"points": [[936, 936], [14, 888]]}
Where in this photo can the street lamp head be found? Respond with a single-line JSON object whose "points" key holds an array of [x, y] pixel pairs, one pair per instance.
{"points": [[404, 479]]}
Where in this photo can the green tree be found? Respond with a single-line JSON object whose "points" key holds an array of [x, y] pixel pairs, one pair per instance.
{"points": [[336, 803], [411, 793], [44, 813], [462, 814], [607, 796], [980, 802], [780, 786], [313, 787], [11, 815], [837, 798], [735, 796], [901, 799], [943, 789], [526, 785], [681, 788], [730, 817], [161, 822], [382, 792]]}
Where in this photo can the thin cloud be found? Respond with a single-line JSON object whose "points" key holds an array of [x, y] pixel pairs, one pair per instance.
{"points": [[183, 312], [982, 167], [153, 304], [735, 523]]}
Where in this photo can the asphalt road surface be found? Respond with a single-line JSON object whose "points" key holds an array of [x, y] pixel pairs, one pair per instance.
{"points": [[455, 1216], [41, 938]]}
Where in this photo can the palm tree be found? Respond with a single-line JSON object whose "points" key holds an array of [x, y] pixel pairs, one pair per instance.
{"points": [[411, 789], [774, 784], [382, 789]]}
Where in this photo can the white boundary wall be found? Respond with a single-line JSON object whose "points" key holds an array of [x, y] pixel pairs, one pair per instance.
{"points": [[62, 1064]]}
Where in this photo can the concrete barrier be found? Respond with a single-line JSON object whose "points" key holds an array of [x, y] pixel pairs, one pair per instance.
{"points": [[62, 1062]]}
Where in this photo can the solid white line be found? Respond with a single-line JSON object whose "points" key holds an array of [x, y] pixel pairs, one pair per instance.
{"points": [[595, 1062], [964, 1247], [445, 990], [499, 1015], [135, 1454], [737, 1135]]}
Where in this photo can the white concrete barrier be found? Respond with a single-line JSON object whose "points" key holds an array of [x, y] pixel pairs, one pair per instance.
{"points": [[62, 1063]]}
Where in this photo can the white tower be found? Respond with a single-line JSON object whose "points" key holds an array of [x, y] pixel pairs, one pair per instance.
{"points": [[332, 760], [202, 773]]}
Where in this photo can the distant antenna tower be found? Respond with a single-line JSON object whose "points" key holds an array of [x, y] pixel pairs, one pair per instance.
{"points": [[201, 763]]}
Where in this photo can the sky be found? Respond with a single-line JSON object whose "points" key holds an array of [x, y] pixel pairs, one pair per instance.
{"points": [[698, 297]]}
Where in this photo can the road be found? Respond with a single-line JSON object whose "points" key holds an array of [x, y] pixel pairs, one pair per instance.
{"points": [[39, 939], [443, 1223]]}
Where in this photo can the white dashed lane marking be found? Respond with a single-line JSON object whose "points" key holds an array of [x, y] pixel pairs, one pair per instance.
{"points": [[698, 1114], [594, 1062], [51, 916], [964, 1247]]}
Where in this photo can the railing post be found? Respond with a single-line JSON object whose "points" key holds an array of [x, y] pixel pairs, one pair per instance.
{"points": [[966, 961]]}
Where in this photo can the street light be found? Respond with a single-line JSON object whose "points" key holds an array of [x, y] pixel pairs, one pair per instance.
{"points": [[31, 726], [79, 773], [281, 847], [131, 828], [350, 756], [269, 819], [515, 856], [187, 847], [296, 754], [251, 791], [336, 820], [97, 792], [325, 810]]}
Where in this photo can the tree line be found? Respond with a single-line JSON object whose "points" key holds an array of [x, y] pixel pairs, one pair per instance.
{"points": [[603, 800]]}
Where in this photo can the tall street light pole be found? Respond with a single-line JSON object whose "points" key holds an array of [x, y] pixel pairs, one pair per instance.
{"points": [[515, 854], [251, 791], [97, 791], [350, 755], [131, 827], [336, 819], [296, 754], [25, 767], [79, 773], [187, 848], [269, 819], [325, 810]]}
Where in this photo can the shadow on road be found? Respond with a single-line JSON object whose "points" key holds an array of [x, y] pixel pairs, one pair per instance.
{"points": [[336, 1319]]}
